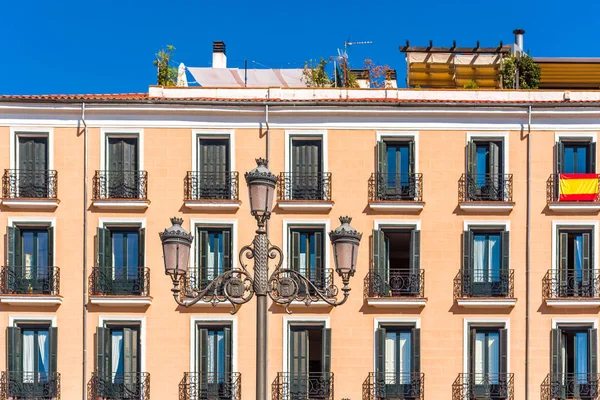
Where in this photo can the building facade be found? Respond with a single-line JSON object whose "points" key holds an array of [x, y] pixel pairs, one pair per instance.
{"points": [[477, 274]]}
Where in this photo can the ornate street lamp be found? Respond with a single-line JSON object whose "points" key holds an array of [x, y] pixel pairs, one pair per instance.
{"points": [[284, 286]]}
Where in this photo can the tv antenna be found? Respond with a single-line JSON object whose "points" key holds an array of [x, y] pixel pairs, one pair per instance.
{"points": [[343, 56]]}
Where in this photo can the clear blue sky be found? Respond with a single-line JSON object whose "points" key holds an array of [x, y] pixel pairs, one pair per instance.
{"points": [[107, 46]]}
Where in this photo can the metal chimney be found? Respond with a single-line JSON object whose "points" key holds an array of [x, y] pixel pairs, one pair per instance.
{"points": [[519, 39]]}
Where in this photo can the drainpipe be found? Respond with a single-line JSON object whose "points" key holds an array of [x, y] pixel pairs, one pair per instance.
{"points": [[85, 196], [528, 256]]}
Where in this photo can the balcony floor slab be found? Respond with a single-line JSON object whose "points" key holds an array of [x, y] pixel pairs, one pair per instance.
{"points": [[486, 302], [397, 302], [126, 301], [212, 204], [573, 303], [120, 204], [574, 207], [396, 205], [486, 206], [31, 203], [305, 205], [31, 300]]}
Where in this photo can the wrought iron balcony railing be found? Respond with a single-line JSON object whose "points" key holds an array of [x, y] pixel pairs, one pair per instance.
{"points": [[485, 187], [321, 278], [484, 387], [211, 186], [396, 187], [395, 283], [484, 283], [120, 185], [558, 284], [311, 187], [26, 184], [307, 386], [210, 386], [30, 385], [121, 386], [408, 385], [123, 281], [30, 280], [570, 386], [553, 191]]}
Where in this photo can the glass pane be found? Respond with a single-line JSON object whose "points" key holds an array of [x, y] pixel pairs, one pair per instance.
{"points": [[302, 256], [390, 355], [132, 251], [43, 353], [28, 251], [117, 355], [42, 249], [404, 347], [313, 255], [28, 355], [481, 164], [493, 347], [495, 258], [479, 356], [391, 161], [118, 245], [480, 259], [581, 159], [581, 356], [220, 355], [569, 167], [578, 254], [210, 354]]}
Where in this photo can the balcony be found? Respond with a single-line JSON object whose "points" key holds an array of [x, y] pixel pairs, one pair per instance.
{"points": [[30, 286], [398, 289], [569, 386], [307, 386], [499, 386], [299, 192], [589, 202], [485, 193], [120, 189], [485, 289], [30, 385], [121, 386], [210, 386], [120, 286], [571, 288], [396, 192], [394, 386], [321, 278], [211, 191], [29, 189]]}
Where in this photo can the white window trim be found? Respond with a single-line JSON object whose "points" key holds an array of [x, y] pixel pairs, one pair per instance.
{"points": [[301, 223], [297, 320], [493, 135], [107, 222], [213, 134], [117, 132], [390, 320], [483, 322], [228, 319], [198, 222], [397, 223], [13, 319], [102, 320], [289, 134], [557, 224], [558, 136], [382, 135], [488, 223], [30, 131], [51, 221], [556, 322]]}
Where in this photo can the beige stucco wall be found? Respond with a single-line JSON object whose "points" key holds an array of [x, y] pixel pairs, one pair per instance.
{"points": [[167, 157]]}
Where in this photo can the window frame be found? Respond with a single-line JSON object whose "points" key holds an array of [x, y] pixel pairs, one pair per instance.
{"points": [[321, 135], [104, 320], [491, 137], [393, 321], [196, 223], [288, 322], [499, 323], [37, 222], [16, 132], [288, 225], [129, 133], [134, 223], [197, 322], [198, 134], [575, 225], [400, 136]]}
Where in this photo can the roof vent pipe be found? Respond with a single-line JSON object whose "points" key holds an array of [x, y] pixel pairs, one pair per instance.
{"points": [[219, 59], [519, 40]]}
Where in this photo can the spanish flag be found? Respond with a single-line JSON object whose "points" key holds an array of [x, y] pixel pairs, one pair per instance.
{"points": [[578, 187]]}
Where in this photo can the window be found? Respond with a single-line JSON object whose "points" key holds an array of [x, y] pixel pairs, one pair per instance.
{"points": [[213, 361], [306, 167], [575, 157], [31, 359], [30, 250], [574, 368], [214, 254], [575, 273], [213, 178], [485, 178], [306, 256], [120, 261], [488, 361], [396, 178], [33, 177], [396, 262], [117, 360], [309, 361], [486, 270]]}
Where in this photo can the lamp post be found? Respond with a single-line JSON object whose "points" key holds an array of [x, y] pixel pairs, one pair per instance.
{"points": [[284, 286]]}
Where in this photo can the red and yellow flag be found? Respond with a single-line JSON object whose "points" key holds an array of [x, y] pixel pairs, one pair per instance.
{"points": [[578, 187]]}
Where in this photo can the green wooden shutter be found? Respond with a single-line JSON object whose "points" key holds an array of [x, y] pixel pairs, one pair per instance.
{"points": [[495, 166], [472, 349], [227, 250], [556, 358], [382, 158], [471, 158], [592, 158], [51, 246], [141, 248], [319, 276], [416, 351], [411, 157], [53, 345], [295, 251], [130, 351], [468, 263], [586, 265], [115, 154], [227, 345], [103, 352], [415, 261], [25, 154], [203, 258], [505, 265], [563, 266], [593, 352], [299, 363], [14, 359], [40, 155], [503, 349], [380, 381], [326, 351], [14, 256], [380, 264], [559, 157], [203, 352], [103, 247]]}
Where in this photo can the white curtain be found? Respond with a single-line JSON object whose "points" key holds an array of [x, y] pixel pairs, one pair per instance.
{"points": [[398, 346], [404, 347], [390, 356], [494, 258], [479, 352], [578, 257], [210, 356], [28, 356], [44, 353], [210, 258], [581, 357], [480, 264], [220, 355], [117, 354]]}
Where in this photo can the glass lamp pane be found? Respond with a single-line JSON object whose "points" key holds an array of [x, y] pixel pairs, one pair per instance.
{"points": [[184, 255], [258, 198], [346, 255]]}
